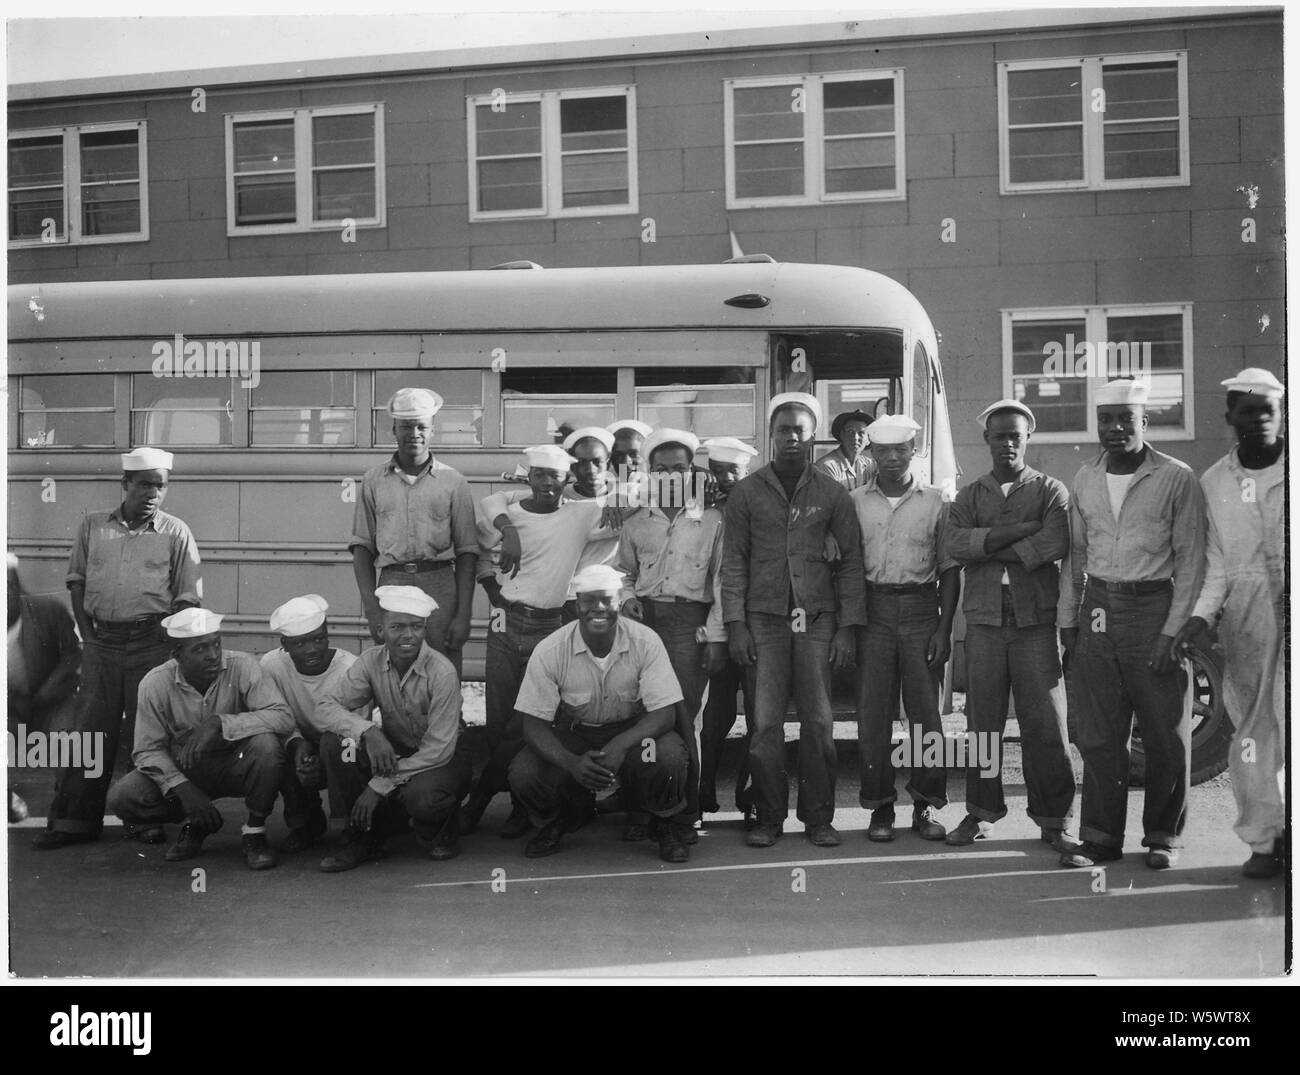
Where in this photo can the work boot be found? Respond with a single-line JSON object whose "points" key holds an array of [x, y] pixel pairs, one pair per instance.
{"points": [[306, 834], [971, 829], [762, 835], [1160, 857], [925, 821], [546, 842], [671, 847], [823, 835], [1261, 865], [257, 852], [355, 848], [1089, 854], [189, 842], [1060, 840], [881, 828], [446, 845]]}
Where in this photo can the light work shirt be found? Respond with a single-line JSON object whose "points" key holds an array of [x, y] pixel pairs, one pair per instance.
{"points": [[129, 574], [400, 518], [305, 693], [836, 464], [904, 542], [677, 558]]}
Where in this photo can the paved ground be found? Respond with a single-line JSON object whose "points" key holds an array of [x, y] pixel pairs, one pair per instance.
{"points": [[602, 907]]}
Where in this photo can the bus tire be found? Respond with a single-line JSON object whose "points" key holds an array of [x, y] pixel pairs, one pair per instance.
{"points": [[1212, 727]]}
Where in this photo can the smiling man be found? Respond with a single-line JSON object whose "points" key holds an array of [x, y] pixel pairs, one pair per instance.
{"points": [[210, 725], [129, 568], [850, 464], [1137, 533]]}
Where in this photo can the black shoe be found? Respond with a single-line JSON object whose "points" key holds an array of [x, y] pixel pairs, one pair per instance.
{"points": [[823, 835], [446, 845], [925, 821], [472, 812], [546, 842], [1261, 866], [1089, 854], [189, 842], [301, 838], [763, 835], [881, 828], [257, 852], [1160, 857], [356, 848], [671, 846], [53, 839], [516, 824]]}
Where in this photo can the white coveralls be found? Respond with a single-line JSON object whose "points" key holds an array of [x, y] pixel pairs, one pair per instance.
{"points": [[1245, 577]]}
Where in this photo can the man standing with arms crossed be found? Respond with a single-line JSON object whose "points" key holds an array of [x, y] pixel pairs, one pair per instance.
{"points": [[129, 568], [1245, 576], [414, 522], [1137, 532], [790, 611]]}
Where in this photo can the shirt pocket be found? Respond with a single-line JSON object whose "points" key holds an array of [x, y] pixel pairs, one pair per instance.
{"points": [[1147, 521], [577, 705], [154, 576]]}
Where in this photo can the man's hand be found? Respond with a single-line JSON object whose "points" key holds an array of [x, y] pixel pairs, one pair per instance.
{"points": [[305, 760], [457, 633], [1191, 633], [201, 740], [363, 810], [589, 770], [199, 809], [741, 644], [511, 551], [383, 761], [611, 517], [631, 608], [938, 649], [612, 758], [375, 621], [1162, 659], [843, 648], [715, 658]]}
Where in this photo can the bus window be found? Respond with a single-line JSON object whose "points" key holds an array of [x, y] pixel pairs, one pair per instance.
{"points": [[709, 401], [191, 411], [543, 406], [922, 394], [845, 370], [304, 409], [66, 411], [460, 422]]}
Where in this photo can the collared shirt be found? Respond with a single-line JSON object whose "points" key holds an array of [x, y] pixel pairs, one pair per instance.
{"points": [[129, 573], [552, 545], [776, 555], [420, 710], [1160, 534], [677, 558], [850, 475], [305, 693], [1247, 531], [904, 542], [563, 677], [1035, 580], [402, 517], [169, 711]]}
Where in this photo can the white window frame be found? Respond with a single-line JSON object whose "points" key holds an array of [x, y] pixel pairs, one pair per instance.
{"points": [[1095, 319], [814, 176], [552, 155], [72, 199], [1094, 145], [302, 151]]}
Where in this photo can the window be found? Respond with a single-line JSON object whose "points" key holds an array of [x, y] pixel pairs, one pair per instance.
{"points": [[66, 411], [706, 401], [815, 138], [304, 409], [83, 184], [559, 153], [460, 422], [308, 168], [188, 411], [921, 396], [543, 406], [1055, 359], [1094, 123]]}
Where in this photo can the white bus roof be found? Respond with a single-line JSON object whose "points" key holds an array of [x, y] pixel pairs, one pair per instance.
{"points": [[517, 300]]}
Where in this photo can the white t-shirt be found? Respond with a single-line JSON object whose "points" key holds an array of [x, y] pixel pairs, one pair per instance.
{"points": [[893, 501], [1117, 485]]}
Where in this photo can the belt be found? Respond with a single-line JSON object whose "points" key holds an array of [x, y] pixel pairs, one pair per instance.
{"points": [[1152, 586], [144, 623], [418, 567], [679, 601], [901, 587], [531, 613]]}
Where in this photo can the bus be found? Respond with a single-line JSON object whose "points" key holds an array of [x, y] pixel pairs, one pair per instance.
{"points": [[270, 391]]}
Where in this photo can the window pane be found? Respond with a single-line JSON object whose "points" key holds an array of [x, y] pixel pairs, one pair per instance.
{"points": [[349, 192], [1053, 95], [765, 112], [857, 164], [459, 422], [595, 179], [29, 209], [181, 427], [54, 392], [264, 146], [48, 429], [36, 162], [1142, 150], [532, 420], [514, 132], [344, 139], [1034, 343], [504, 185], [191, 410], [769, 171], [706, 412], [865, 107], [315, 388], [593, 123], [323, 427], [921, 396], [1159, 336], [1165, 401], [1140, 91], [45, 420], [1059, 405], [265, 200], [1044, 156], [111, 209], [110, 156], [185, 393]]}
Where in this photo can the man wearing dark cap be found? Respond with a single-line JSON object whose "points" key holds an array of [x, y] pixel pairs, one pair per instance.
{"points": [[850, 464]]}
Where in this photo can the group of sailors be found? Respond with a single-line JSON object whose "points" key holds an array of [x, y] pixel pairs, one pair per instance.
{"points": [[638, 584]]}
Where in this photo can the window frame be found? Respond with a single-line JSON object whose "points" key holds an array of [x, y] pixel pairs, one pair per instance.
{"points": [[814, 136], [1095, 319], [303, 169], [72, 183], [1091, 77], [552, 155], [253, 409], [16, 385]]}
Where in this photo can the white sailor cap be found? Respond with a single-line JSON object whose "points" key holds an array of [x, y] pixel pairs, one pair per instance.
{"points": [[408, 404], [299, 616], [408, 599], [1118, 393], [594, 432], [1006, 405], [147, 459], [665, 436], [796, 399], [727, 450], [892, 429], [597, 578], [192, 623], [1256, 381], [633, 424], [549, 457]]}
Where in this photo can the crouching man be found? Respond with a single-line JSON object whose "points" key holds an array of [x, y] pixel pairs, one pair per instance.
{"points": [[597, 708], [209, 725], [415, 765]]}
